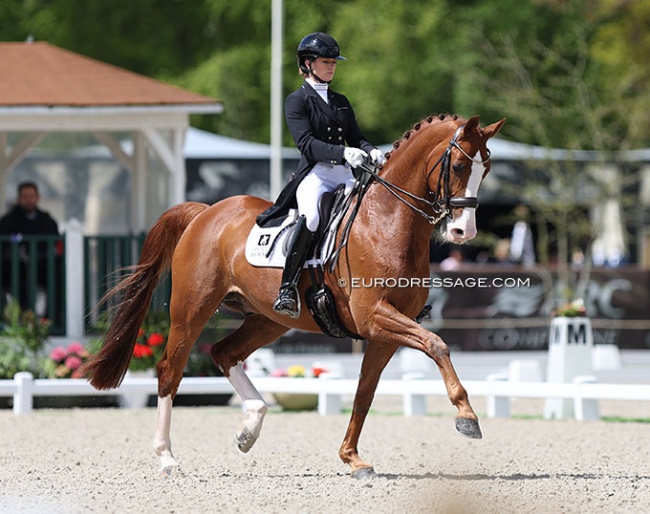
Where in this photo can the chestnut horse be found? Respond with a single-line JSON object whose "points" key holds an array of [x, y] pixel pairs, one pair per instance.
{"points": [[432, 175]]}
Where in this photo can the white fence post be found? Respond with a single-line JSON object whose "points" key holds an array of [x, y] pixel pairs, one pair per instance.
{"points": [[497, 406], [74, 279], [24, 395], [585, 409], [328, 403], [414, 404]]}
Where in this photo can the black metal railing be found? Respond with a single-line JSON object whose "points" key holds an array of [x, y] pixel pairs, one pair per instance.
{"points": [[108, 260], [33, 273]]}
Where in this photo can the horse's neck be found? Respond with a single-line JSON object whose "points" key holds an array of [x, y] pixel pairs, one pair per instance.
{"points": [[409, 174], [386, 224], [390, 228]]}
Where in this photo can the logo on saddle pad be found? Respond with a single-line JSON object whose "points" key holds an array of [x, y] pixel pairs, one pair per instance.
{"points": [[266, 247], [265, 239]]}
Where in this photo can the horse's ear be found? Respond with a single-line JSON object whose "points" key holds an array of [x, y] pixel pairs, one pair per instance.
{"points": [[471, 125], [491, 130]]}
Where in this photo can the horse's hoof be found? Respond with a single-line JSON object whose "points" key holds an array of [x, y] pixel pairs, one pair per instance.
{"points": [[363, 473], [168, 471], [468, 428], [245, 440]]}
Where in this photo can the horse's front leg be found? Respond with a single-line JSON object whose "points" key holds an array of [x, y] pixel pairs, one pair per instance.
{"points": [[388, 325], [374, 361]]}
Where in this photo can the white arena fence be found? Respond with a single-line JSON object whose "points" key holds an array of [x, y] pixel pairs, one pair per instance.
{"points": [[583, 392]]}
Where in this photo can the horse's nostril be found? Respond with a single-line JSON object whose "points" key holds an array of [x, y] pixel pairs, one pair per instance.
{"points": [[459, 232]]}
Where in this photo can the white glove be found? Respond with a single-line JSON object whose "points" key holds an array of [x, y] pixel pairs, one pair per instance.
{"points": [[377, 157], [354, 156]]}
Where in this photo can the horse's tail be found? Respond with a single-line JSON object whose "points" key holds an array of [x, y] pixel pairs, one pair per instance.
{"points": [[107, 368]]}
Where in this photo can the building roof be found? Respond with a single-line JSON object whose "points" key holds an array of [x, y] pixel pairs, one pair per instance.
{"points": [[503, 150], [40, 74], [200, 144]]}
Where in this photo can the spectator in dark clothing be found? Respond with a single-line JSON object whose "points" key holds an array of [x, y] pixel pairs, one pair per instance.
{"points": [[26, 219]]}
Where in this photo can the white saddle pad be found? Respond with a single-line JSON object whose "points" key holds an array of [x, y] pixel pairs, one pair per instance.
{"points": [[266, 247]]}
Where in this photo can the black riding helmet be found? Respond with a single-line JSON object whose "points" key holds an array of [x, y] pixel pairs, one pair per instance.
{"points": [[315, 45]]}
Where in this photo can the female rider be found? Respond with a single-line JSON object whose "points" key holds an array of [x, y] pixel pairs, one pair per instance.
{"points": [[321, 122]]}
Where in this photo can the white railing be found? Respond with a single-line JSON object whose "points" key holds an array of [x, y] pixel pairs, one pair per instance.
{"points": [[497, 391]]}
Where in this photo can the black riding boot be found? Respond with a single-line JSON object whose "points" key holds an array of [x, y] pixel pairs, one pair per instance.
{"points": [[288, 301]]}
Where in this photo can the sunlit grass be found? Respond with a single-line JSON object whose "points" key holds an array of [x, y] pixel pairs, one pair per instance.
{"points": [[624, 419]]}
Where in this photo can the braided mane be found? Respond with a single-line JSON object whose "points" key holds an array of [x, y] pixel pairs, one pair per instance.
{"points": [[427, 121]]}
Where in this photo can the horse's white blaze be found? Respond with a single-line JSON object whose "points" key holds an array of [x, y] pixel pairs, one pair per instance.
{"points": [[162, 445], [253, 404], [463, 228]]}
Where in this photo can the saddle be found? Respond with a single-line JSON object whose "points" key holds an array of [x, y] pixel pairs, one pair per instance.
{"points": [[268, 246]]}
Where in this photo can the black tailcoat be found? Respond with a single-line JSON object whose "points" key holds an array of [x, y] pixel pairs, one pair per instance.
{"points": [[321, 132]]}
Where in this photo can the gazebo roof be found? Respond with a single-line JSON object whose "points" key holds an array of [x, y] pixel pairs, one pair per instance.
{"points": [[40, 74], [47, 89]]}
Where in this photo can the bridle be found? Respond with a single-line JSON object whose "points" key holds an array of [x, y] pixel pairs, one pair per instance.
{"points": [[442, 203]]}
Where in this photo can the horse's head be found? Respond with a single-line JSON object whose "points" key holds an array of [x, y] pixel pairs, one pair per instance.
{"points": [[453, 157], [455, 179]]}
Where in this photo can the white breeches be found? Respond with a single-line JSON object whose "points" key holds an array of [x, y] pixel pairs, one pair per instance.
{"points": [[323, 177]]}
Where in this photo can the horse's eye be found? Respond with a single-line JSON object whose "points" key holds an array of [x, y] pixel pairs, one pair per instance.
{"points": [[458, 168]]}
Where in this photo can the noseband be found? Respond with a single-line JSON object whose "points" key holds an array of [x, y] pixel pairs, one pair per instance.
{"points": [[442, 203]]}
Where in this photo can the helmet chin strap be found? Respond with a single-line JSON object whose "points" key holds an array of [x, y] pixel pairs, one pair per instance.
{"points": [[313, 74]]}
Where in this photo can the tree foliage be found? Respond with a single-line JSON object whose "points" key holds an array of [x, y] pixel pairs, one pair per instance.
{"points": [[566, 73]]}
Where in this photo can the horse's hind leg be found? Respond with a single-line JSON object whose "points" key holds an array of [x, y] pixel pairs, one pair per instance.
{"points": [[229, 354], [186, 326]]}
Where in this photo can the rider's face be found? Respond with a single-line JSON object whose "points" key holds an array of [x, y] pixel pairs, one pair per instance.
{"points": [[323, 67]]}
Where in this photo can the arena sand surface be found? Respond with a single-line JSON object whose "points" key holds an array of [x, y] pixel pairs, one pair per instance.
{"points": [[100, 461]]}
